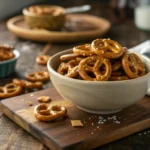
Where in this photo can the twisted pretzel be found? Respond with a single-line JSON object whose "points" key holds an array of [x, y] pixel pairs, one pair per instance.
{"points": [[28, 84], [37, 76], [10, 90], [107, 48], [69, 69], [52, 113], [95, 65], [133, 65], [83, 50], [42, 59]]}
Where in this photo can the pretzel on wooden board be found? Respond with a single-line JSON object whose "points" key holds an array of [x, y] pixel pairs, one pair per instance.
{"points": [[47, 113], [10, 90]]}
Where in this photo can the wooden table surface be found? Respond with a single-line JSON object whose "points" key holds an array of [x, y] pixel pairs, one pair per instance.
{"points": [[13, 137]]}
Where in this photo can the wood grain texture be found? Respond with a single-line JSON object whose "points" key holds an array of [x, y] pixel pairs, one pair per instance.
{"points": [[80, 27], [61, 135]]}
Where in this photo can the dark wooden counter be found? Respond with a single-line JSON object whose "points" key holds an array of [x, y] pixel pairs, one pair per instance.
{"points": [[12, 137]]}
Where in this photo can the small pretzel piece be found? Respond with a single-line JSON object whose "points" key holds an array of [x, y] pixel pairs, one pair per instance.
{"points": [[38, 76], [44, 99], [44, 113], [133, 65], [42, 59], [10, 90]]}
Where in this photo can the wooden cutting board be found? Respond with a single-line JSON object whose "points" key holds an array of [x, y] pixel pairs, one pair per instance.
{"points": [[60, 135], [78, 27]]}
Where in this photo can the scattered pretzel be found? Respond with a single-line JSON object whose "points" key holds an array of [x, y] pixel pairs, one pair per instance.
{"points": [[42, 59], [44, 99], [44, 113], [28, 84], [93, 64], [38, 76], [133, 65], [10, 90]]}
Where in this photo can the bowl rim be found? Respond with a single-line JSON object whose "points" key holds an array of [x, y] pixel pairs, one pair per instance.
{"points": [[50, 69], [17, 55], [27, 13]]}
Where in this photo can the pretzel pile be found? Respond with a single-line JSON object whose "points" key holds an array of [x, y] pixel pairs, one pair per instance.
{"points": [[6, 53], [44, 10], [102, 60]]}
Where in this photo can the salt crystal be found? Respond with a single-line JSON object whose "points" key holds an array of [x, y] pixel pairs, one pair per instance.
{"points": [[92, 133]]}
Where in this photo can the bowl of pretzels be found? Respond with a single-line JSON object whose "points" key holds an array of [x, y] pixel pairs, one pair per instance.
{"points": [[8, 60], [48, 17], [100, 77]]}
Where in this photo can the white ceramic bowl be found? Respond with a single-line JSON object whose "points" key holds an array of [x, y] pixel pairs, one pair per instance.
{"points": [[99, 97]]}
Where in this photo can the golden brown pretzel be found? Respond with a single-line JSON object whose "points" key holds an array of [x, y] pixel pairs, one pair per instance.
{"points": [[95, 65], [28, 84], [42, 59], [69, 69], [107, 48], [83, 50], [112, 45], [133, 65], [38, 76], [10, 90], [52, 113]]}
